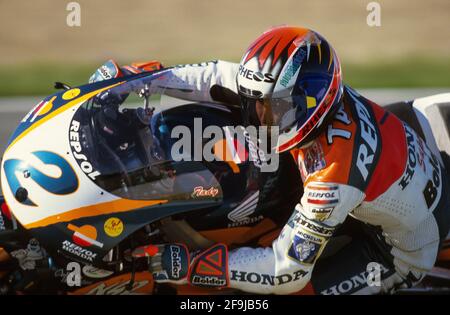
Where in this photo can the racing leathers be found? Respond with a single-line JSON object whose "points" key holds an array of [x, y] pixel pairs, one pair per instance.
{"points": [[366, 166]]}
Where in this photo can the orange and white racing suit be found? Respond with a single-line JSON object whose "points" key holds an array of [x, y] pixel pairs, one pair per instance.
{"points": [[367, 166]]}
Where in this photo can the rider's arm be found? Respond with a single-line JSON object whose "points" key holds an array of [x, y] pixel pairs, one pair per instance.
{"points": [[204, 82], [286, 267], [208, 81]]}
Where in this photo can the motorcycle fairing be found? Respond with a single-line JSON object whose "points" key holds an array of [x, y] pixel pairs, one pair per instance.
{"points": [[88, 239], [56, 216], [57, 103]]}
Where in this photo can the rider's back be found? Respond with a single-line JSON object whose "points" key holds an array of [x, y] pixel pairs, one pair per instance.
{"points": [[399, 179]]}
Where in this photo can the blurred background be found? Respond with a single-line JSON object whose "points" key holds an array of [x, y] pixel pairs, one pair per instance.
{"points": [[411, 47]]}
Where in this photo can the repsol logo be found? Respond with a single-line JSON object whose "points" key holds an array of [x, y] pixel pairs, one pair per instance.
{"points": [[369, 138], [410, 167], [266, 279], [85, 165], [322, 195], [104, 71], [78, 251], [255, 76]]}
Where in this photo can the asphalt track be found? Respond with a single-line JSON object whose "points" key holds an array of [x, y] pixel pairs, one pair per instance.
{"points": [[12, 110]]}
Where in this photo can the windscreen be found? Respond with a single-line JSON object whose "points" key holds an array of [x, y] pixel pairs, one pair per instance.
{"points": [[118, 133]]}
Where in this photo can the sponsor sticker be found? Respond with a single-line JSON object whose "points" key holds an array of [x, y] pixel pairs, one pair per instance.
{"points": [[41, 109], [305, 247], [118, 285], [2, 223], [322, 195], [113, 227], [369, 143], [314, 159], [209, 269], [357, 282], [256, 75], [246, 221], [266, 279], [96, 273], [322, 213], [79, 251], [176, 261], [412, 160], [240, 215], [77, 151], [298, 220], [292, 67], [199, 192], [85, 235], [71, 94]]}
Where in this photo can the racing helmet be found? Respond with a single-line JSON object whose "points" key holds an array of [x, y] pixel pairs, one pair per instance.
{"points": [[290, 78]]}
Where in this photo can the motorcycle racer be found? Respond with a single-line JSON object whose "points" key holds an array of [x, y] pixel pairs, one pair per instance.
{"points": [[358, 162]]}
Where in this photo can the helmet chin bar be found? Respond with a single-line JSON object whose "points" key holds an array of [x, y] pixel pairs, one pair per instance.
{"points": [[317, 130]]}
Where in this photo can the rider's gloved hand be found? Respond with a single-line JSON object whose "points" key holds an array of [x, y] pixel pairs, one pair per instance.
{"points": [[111, 70], [172, 263]]}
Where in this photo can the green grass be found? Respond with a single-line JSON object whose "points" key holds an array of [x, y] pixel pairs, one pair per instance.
{"points": [[38, 78], [408, 73]]}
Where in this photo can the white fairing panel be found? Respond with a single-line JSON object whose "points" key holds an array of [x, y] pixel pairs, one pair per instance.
{"points": [[44, 138]]}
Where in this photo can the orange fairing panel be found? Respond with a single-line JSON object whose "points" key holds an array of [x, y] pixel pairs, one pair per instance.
{"points": [[115, 206]]}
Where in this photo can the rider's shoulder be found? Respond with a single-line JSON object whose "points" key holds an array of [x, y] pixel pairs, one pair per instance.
{"points": [[347, 150]]}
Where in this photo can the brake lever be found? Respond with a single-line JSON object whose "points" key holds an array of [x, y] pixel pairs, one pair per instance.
{"points": [[145, 93]]}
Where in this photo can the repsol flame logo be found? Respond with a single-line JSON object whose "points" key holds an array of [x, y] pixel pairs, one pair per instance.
{"points": [[65, 184]]}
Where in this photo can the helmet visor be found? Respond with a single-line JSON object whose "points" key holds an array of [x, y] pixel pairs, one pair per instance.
{"points": [[289, 108], [283, 112]]}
